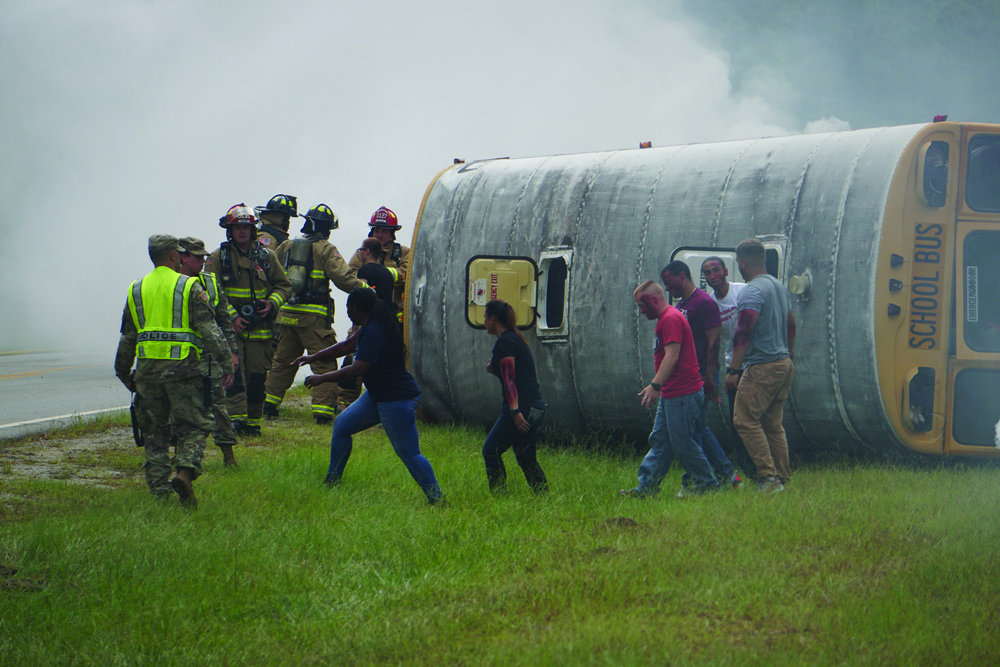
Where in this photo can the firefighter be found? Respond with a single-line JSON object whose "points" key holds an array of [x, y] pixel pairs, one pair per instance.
{"points": [[384, 225], [274, 219], [168, 324], [256, 286], [305, 322], [193, 264], [395, 257]]}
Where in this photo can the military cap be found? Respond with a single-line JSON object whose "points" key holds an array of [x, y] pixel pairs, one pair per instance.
{"points": [[161, 242], [193, 246]]}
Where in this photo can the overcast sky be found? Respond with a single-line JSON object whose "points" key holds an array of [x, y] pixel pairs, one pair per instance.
{"points": [[123, 118]]}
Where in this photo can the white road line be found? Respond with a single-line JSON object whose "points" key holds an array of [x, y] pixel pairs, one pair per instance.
{"points": [[75, 414]]}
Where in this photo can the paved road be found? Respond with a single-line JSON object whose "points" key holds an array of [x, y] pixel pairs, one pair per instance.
{"points": [[41, 389]]}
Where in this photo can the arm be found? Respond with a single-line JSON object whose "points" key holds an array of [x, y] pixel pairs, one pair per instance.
{"points": [[340, 274], [712, 362], [671, 352], [791, 336], [341, 349], [225, 322], [741, 341], [280, 288], [357, 369], [202, 319], [507, 376], [125, 355]]}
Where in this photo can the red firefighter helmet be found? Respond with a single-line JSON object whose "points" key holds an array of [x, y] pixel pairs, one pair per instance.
{"points": [[384, 217], [241, 214]]}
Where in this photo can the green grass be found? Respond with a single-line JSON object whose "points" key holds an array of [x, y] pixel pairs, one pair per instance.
{"points": [[853, 564]]}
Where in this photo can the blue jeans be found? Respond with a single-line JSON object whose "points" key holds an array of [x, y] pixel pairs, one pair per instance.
{"points": [[721, 465], [677, 434], [505, 435], [399, 420]]}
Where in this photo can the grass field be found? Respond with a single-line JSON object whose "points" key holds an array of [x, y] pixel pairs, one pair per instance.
{"points": [[853, 564]]}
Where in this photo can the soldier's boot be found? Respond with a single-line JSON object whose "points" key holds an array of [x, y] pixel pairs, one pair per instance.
{"points": [[270, 411], [228, 459], [182, 485]]}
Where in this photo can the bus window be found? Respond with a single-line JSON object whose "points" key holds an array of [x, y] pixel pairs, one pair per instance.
{"points": [[976, 407], [982, 185], [981, 282], [772, 260]]}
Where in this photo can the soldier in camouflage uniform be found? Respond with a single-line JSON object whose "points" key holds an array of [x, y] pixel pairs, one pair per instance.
{"points": [[169, 325], [395, 257], [305, 321], [256, 287], [192, 263], [274, 220]]}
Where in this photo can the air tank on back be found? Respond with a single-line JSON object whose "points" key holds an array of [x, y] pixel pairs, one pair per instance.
{"points": [[600, 224]]}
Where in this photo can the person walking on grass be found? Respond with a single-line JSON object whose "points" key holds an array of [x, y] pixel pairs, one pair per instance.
{"points": [[762, 348], [703, 316], [523, 405], [392, 394], [678, 385]]}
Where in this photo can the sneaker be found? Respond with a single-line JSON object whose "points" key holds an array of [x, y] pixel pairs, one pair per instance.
{"points": [[331, 481], [736, 482], [680, 494], [270, 411], [770, 485]]}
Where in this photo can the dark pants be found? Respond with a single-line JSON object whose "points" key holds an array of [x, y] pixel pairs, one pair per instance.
{"points": [[504, 436], [740, 456]]}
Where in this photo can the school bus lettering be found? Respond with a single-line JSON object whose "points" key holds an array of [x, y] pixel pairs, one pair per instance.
{"points": [[925, 287]]}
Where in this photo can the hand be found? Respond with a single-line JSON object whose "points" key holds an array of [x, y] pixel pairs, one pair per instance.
{"points": [[313, 380], [521, 423], [649, 395], [304, 360], [732, 381], [489, 365], [710, 392], [130, 385], [227, 380], [239, 324], [236, 361], [264, 310]]}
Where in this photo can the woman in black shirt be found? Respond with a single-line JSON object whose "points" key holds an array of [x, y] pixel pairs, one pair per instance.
{"points": [[523, 405]]}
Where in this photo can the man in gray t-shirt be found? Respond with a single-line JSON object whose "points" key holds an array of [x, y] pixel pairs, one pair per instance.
{"points": [[762, 349]]}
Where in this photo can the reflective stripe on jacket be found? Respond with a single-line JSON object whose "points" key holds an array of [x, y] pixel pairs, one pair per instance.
{"points": [[158, 304]]}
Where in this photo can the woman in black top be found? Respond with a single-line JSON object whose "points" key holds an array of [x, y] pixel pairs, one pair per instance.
{"points": [[523, 405]]}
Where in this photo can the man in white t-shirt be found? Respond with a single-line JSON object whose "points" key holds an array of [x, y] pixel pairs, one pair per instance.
{"points": [[726, 295]]}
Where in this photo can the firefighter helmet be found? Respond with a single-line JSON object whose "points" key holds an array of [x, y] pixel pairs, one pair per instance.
{"points": [[282, 204], [241, 214], [320, 220], [384, 217]]}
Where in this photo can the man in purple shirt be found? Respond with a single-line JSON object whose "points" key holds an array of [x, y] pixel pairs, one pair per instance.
{"points": [[703, 315]]}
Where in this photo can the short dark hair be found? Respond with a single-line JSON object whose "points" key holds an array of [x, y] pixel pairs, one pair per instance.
{"points": [[752, 250], [374, 246], [676, 268], [713, 258]]}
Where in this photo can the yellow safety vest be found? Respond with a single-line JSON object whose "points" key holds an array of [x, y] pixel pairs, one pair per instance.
{"points": [[159, 307]]}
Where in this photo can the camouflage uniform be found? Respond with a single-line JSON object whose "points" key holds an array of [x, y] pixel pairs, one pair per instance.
{"points": [[223, 433], [304, 324], [171, 388], [254, 275]]}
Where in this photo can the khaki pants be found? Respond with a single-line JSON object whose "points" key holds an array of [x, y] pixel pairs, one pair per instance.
{"points": [[293, 343], [760, 401]]}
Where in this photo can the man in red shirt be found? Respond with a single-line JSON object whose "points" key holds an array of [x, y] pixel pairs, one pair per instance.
{"points": [[678, 384]]}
